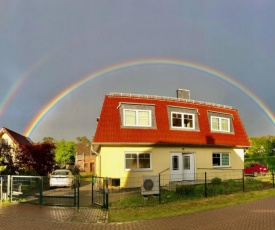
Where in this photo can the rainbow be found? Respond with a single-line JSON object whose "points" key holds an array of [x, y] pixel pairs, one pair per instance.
{"points": [[12, 91], [20, 82], [144, 62]]}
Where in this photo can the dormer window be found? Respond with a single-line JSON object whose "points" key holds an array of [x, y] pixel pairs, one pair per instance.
{"points": [[183, 120], [140, 118], [221, 124]]}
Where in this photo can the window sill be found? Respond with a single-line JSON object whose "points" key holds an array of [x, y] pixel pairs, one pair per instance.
{"points": [[138, 170], [221, 167]]}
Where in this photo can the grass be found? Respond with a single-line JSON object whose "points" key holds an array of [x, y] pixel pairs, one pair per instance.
{"points": [[187, 206]]}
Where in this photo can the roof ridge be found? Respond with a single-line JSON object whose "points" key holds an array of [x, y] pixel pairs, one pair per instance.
{"points": [[131, 95]]}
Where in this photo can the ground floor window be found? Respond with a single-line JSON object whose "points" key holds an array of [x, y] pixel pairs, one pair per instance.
{"points": [[137, 161], [221, 159]]}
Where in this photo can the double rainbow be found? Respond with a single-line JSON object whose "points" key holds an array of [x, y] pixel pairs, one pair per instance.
{"points": [[144, 62]]}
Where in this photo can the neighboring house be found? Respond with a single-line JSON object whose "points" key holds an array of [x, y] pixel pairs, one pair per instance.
{"points": [[84, 160], [12, 139], [141, 135]]}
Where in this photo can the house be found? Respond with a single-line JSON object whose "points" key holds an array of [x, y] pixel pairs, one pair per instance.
{"points": [[141, 135], [84, 160], [12, 140]]}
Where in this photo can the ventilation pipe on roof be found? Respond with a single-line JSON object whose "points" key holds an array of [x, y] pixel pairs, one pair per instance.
{"points": [[183, 94]]}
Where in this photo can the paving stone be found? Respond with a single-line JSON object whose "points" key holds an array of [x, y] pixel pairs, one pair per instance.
{"points": [[252, 215]]}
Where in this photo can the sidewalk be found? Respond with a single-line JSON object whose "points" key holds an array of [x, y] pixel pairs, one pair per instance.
{"points": [[253, 215]]}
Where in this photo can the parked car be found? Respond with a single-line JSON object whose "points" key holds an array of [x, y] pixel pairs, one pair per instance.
{"points": [[255, 169], [62, 178]]}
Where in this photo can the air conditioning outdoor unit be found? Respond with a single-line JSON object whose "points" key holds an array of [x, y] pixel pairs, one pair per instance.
{"points": [[150, 185]]}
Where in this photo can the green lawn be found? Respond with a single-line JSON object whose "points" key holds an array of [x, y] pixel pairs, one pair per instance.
{"points": [[187, 206]]}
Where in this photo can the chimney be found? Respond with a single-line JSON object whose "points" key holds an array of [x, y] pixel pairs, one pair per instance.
{"points": [[183, 94]]}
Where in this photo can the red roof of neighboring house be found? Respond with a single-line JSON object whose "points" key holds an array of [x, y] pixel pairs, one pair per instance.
{"points": [[16, 137], [109, 130]]}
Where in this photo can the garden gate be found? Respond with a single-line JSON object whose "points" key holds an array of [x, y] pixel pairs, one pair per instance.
{"points": [[100, 191], [36, 190]]}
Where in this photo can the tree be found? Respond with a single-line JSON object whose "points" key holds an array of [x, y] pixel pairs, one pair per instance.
{"points": [[65, 152], [83, 139], [49, 139], [261, 147], [37, 157], [7, 157]]}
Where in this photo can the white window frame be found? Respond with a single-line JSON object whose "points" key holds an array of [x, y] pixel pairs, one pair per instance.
{"points": [[221, 162], [137, 154], [182, 117], [220, 119], [137, 120]]}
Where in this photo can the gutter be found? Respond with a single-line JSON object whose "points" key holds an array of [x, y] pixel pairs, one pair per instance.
{"points": [[93, 151]]}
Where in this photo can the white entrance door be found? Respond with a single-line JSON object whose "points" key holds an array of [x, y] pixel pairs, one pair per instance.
{"points": [[176, 167], [182, 167], [188, 167]]}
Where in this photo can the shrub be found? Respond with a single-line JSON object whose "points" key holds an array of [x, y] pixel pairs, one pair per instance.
{"points": [[185, 190], [199, 190], [216, 181], [215, 190], [233, 186]]}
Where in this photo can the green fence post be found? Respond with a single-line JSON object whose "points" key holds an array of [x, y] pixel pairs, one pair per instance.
{"points": [[107, 195], [41, 190], [92, 184], [159, 191], [75, 189], [243, 181], [78, 194], [205, 185], [273, 178]]}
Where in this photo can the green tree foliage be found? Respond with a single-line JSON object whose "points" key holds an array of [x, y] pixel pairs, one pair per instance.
{"points": [[261, 147], [83, 139], [65, 152], [49, 139]]}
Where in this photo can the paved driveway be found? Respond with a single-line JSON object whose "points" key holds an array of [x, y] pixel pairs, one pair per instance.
{"points": [[253, 215]]}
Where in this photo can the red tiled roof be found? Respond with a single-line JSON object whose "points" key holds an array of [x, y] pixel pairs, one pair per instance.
{"points": [[109, 130], [16, 137]]}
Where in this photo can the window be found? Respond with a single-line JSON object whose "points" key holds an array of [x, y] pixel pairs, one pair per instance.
{"points": [[137, 118], [4, 142], [220, 160], [186, 162], [137, 161], [220, 124], [175, 162], [182, 120]]}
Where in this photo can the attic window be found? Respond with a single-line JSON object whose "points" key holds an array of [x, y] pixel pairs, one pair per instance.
{"points": [[182, 120], [134, 117], [220, 124]]}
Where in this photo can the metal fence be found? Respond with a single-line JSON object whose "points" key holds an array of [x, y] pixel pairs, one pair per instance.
{"points": [[140, 191], [163, 190], [36, 190]]}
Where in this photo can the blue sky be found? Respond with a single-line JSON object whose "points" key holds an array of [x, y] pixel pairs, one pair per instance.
{"points": [[46, 46]]}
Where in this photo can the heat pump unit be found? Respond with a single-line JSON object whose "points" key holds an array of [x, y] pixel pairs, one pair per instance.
{"points": [[150, 185]]}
